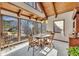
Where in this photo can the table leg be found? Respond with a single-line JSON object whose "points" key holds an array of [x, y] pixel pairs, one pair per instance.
{"points": [[0, 50], [28, 48], [33, 51]]}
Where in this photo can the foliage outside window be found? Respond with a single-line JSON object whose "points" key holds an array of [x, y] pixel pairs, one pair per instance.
{"points": [[10, 28]]}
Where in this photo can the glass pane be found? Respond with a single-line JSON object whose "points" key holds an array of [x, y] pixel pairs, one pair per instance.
{"points": [[30, 27], [9, 28], [43, 27], [39, 27], [35, 28], [58, 26], [24, 28]]}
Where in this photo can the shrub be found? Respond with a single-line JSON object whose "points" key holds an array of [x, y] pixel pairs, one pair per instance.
{"points": [[73, 51]]}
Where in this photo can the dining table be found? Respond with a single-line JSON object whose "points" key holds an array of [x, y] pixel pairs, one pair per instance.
{"points": [[42, 35]]}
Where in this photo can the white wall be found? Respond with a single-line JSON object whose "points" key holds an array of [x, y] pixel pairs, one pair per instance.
{"points": [[68, 25]]}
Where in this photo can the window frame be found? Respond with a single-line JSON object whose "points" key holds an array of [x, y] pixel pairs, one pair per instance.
{"points": [[63, 26]]}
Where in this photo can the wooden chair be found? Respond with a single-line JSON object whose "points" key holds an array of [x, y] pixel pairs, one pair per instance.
{"points": [[2, 43], [5, 40], [32, 43], [48, 41]]}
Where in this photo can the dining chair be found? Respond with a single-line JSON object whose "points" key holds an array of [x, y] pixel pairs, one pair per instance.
{"points": [[2, 43], [49, 40], [6, 38], [32, 43]]}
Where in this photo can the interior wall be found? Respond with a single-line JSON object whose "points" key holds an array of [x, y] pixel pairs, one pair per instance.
{"points": [[67, 17]]}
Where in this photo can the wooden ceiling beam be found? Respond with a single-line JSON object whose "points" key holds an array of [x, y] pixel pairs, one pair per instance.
{"points": [[55, 9], [19, 12], [42, 7]]}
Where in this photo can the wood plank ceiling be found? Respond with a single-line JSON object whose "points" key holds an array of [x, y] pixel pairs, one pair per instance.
{"points": [[54, 8], [49, 8]]}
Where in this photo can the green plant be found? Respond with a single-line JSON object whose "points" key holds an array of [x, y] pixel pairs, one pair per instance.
{"points": [[73, 51]]}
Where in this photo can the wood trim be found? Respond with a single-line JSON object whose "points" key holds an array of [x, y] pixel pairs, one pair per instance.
{"points": [[19, 25], [18, 28], [5, 6], [0, 21], [19, 12], [0, 27], [1, 24], [15, 43]]}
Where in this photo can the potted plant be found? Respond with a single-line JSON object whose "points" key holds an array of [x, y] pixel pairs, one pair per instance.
{"points": [[73, 51]]}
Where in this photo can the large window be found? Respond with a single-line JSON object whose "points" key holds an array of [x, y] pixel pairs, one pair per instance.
{"points": [[43, 27], [24, 29], [39, 28], [9, 28], [35, 27], [30, 27]]}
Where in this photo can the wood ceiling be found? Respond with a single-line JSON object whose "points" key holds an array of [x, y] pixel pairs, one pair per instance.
{"points": [[49, 8], [54, 8]]}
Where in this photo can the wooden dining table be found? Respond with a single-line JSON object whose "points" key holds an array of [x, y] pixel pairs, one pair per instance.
{"points": [[41, 35]]}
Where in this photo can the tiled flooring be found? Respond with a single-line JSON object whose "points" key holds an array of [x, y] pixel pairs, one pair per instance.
{"points": [[60, 46]]}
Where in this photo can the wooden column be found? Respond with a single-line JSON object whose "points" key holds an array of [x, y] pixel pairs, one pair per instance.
{"points": [[77, 23], [19, 25], [18, 28], [42, 7], [1, 28], [55, 9], [0, 21], [41, 27]]}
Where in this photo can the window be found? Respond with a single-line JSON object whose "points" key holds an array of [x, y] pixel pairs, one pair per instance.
{"points": [[9, 28], [35, 28], [30, 27], [39, 28], [24, 29], [58, 26], [43, 27]]}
